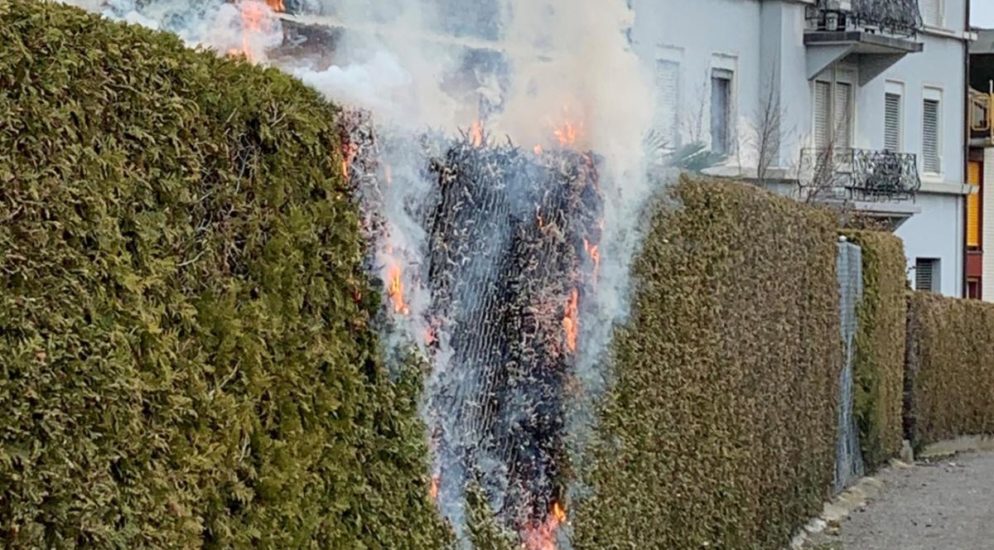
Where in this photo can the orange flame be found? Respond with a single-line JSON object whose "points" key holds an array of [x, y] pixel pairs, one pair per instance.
{"points": [[571, 323], [433, 489], [595, 255], [537, 149], [252, 17], [476, 134], [567, 134], [350, 153], [395, 291], [543, 535], [276, 5]]}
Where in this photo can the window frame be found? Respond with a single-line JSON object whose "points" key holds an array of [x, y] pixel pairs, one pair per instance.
{"points": [[834, 76], [729, 63], [933, 93], [894, 87]]}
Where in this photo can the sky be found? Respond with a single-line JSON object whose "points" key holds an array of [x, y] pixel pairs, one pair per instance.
{"points": [[982, 13]]}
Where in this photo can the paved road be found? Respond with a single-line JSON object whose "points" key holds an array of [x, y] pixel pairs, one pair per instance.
{"points": [[948, 505]]}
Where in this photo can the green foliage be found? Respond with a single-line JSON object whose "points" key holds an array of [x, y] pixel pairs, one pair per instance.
{"points": [[719, 430], [879, 367], [950, 368], [185, 351]]}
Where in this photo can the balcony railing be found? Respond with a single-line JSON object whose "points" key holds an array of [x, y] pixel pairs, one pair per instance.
{"points": [[893, 17], [860, 174]]}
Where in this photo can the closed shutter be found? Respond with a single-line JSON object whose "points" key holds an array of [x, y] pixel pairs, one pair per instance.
{"points": [[892, 122], [932, 12], [843, 115], [930, 137], [668, 102], [926, 275], [823, 115], [973, 207]]}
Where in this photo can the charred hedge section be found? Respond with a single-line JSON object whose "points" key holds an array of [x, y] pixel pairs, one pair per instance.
{"points": [[720, 428], [186, 357], [949, 380], [879, 365]]}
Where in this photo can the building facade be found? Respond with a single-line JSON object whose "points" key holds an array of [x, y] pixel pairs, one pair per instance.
{"points": [[859, 102], [980, 169]]}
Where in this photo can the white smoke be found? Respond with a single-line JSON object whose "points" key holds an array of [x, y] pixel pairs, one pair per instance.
{"points": [[565, 61]]}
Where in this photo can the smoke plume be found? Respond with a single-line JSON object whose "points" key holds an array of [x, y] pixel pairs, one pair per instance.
{"points": [[541, 74]]}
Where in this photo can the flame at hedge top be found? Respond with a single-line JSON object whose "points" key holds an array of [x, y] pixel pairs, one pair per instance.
{"points": [[558, 79]]}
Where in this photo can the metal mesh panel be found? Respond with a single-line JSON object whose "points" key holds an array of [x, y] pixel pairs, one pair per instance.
{"points": [[848, 457]]}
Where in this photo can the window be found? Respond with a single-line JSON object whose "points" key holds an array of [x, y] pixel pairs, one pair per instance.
{"points": [[932, 12], [843, 120], [927, 274], [892, 122], [973, 291], [931, 160], [668, 102], [833, 106], [721, 110], [973, 206], [823, 115]]}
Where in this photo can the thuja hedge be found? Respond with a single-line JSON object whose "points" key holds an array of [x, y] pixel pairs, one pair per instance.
{"points": [[719, 430], [185, 351], [880, 341], [949, 381]]}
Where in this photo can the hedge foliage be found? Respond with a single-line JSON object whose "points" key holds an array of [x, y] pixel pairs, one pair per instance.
{"points": [[720, 428], [185, 351], [879, 365], [949, 381]]}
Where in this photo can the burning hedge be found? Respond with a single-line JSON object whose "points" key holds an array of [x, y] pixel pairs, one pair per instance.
{"points": [[950, 368], [879, 366], [184, 313], [719, 430]]}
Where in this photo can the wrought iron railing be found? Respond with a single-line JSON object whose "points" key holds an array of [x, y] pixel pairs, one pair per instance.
{"points": [[894, 17], [860, 174]]}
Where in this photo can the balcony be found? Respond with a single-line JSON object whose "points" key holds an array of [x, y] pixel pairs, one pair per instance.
{"points": [[981, 110], [859, 175], [875, 34]]}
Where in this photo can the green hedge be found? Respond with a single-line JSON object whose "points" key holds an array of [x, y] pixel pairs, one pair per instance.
{"points": [[720, 428], [879, 366], [949, 381], [185, 352]]}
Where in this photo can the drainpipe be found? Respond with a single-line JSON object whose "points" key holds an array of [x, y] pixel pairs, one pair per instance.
{"points": [[964, 290]]}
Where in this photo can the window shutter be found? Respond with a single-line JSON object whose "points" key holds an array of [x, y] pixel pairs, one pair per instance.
{"points": [[892, 122], [973, 206], [925, 274], [843, 115], [930, 137], [721, 91], [823, 114], [668, 102]]}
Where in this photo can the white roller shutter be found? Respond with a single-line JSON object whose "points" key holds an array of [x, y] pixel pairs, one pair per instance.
{"points": [[892, 122], [931, 161], [668, 101], [843, 115], [823, 115]]}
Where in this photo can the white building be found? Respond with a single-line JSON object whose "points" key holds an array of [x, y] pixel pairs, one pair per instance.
{"points": [[878, 83]]}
